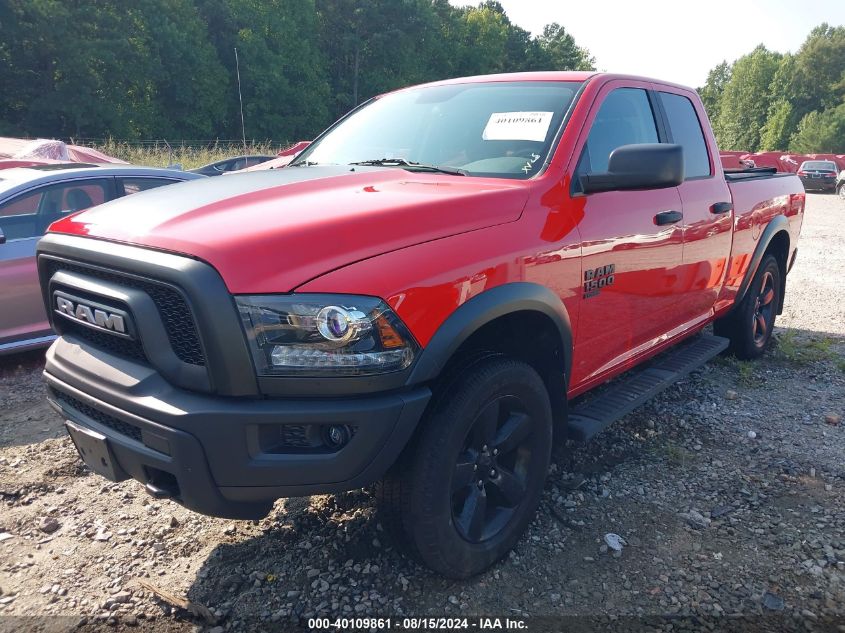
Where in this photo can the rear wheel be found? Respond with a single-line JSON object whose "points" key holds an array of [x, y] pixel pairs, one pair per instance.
{"points": [[476, 472], [749, 327]]}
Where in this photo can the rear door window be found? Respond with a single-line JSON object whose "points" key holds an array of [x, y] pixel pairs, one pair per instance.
{"points": [[685, 130]]}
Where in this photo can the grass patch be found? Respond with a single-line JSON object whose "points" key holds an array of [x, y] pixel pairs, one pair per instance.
{"points": [[160, 154], [799, 350], [674, 454], [747, 370]]}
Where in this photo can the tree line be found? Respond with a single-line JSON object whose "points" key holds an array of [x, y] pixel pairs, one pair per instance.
{"points": [[768, 101], [166, 68]]}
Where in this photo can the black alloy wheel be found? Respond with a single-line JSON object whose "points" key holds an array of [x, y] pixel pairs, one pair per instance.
{"points": [[764, 309], [490, 476]]}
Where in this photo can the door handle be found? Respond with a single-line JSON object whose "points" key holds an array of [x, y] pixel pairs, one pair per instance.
{"points": [[668, 217], [721, 207]]}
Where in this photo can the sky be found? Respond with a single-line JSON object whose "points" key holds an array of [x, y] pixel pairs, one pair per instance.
{"points": [[675, 41]]}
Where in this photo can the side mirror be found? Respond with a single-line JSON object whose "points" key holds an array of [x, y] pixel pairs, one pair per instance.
{"points": [[2, 237], [641, 166]]}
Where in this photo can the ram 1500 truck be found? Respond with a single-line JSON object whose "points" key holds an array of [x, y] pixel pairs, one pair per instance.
{"points": [[417, 300]]}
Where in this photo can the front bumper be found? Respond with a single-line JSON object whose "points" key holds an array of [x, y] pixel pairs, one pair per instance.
{"points": [[225, 456]]}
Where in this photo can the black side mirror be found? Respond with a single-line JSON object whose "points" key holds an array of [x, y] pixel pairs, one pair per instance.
{"points": [[2, 237], [641, 166]]}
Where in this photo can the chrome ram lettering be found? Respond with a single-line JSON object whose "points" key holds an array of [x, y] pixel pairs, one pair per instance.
{"points": [[92, 316]]}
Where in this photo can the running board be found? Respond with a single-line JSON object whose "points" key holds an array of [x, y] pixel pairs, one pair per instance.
{"points": [[591, 417]]}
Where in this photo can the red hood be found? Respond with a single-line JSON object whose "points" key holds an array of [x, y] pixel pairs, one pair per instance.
{"points": [[272, 231]]}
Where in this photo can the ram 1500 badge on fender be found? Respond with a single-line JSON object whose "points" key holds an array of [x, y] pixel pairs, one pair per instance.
{"points": [[417, 300]]}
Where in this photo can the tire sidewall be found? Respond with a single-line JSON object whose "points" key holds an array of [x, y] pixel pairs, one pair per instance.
{"points": [[447, 429]]}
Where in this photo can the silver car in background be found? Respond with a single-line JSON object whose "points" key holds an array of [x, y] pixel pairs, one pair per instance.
{"points": [[31, 199]]}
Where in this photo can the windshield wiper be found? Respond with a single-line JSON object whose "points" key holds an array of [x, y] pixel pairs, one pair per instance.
{"points": [[401, 162], [304, 163]]}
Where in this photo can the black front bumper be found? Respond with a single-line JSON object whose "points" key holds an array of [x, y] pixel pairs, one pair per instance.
{"points": [[222, 455]]}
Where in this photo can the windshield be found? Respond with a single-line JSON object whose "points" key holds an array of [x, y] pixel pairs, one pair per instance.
{"points": [[499, 129], [820, 165]]}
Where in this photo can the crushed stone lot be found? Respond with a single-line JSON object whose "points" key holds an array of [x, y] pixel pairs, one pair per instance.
{"points": [[727, 490]]}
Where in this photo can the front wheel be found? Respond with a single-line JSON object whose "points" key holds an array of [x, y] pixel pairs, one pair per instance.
{"points": [[841, 191], [749, 327], [477, 469]]}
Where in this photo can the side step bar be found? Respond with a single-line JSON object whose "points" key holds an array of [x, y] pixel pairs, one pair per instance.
{"points": [[591, 417]]}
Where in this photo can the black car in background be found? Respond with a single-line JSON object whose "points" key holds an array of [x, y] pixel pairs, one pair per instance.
{"points": [[230, 164], [818, 175]]}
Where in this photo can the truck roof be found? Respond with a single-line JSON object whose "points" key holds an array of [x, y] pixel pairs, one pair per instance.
{"points": [[545, 75]]}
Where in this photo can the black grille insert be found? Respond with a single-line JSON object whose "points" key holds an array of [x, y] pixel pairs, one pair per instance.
{"points": [[119, 426], [174, 311]]}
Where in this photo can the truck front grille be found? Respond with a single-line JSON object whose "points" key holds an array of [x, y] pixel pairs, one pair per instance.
{"points": [[172, 307], [112, 344]]}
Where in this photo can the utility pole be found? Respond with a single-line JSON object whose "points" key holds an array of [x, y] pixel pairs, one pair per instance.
{"points": [[240, 98]]}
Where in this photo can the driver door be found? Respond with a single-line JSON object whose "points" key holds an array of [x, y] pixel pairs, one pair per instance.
{"points": [[631, 254]]}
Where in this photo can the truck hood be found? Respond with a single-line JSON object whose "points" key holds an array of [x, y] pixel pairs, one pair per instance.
{"points": [[272, 231]]}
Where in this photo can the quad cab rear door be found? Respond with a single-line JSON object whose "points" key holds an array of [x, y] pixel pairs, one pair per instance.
{"points": [[706, 204]]}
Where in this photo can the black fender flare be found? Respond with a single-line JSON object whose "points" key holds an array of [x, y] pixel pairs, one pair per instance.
{"points": [[482, 309], [777, 224]]}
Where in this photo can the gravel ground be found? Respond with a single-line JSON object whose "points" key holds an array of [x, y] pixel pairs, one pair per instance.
{"points": [[727, 489]]}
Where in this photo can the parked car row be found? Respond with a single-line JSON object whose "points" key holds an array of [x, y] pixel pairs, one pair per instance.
{"points": [[32, 198]]}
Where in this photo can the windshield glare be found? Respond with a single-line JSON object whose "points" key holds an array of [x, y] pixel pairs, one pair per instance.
{"points": [[499, 129]]}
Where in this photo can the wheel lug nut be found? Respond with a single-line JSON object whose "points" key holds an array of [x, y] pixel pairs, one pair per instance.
{"points": [[495, 451], [475, 466], [492, 473], [480, 484], [484, 448]]}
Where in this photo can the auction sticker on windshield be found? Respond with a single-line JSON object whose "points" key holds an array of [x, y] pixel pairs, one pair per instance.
{"points": [[517, 126]]}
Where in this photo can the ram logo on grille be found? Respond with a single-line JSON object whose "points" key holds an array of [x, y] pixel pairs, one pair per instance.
{"points": [[93, 315]]}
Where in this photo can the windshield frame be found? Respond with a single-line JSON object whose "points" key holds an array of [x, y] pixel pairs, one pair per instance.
{"points": [[302, 159]]}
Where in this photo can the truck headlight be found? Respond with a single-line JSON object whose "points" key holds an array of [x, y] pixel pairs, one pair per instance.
{"points": [[324, 335]]}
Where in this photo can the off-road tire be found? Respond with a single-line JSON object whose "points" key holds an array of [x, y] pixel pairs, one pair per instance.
{"points": [[417, 498], [750, 325]]}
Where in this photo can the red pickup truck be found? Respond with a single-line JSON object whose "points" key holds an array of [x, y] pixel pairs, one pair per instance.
{"points": [[417, 300]]}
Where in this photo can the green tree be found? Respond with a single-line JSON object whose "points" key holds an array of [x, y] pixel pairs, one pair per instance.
{"points": [[483, 41], [561, 51], [183, 70], [69, 69], [821, 132], [818, 77], [282, 71], [779, 126], [745, 101], [166, 68], [372, 46], [711, 93]]}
